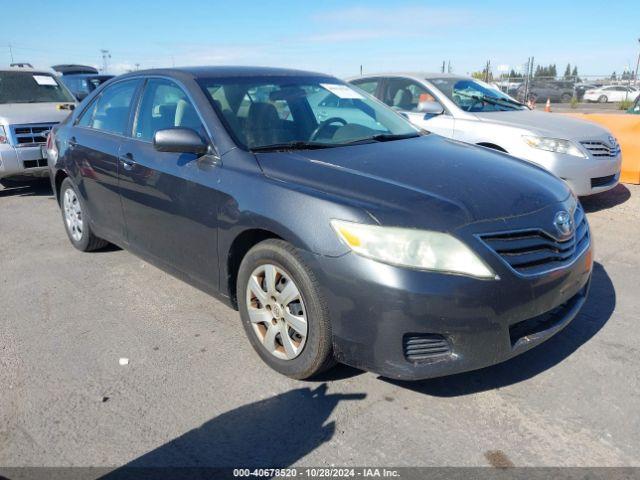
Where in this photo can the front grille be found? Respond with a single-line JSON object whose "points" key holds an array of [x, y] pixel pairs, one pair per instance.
{"points": [[532, 252], [602, 181], [543, 322], [35, 163], [601, 149], [28, 135], [419, 347]]}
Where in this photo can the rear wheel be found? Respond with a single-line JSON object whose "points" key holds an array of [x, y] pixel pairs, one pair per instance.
{"points": [[283, 311], [76, 221], [566, 98], [603, 99]]}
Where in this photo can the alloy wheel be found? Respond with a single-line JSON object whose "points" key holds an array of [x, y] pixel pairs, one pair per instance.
{"points": [[73, 214]]}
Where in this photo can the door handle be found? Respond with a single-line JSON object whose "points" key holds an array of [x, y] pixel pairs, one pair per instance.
{"points": [[72, 142], [127, 161]]}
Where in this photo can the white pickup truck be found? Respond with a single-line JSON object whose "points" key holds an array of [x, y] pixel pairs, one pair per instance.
{"points": [[31, 102]]}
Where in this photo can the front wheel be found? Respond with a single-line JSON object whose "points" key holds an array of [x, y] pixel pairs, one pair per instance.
{"points": [[283, 311], [603, 99], [76, 221]]}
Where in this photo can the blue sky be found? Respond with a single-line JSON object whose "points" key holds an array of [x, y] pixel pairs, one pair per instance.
{"points": [[330, 36]]}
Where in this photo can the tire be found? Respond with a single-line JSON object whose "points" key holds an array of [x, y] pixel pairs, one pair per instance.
{"points": [[566, 98], [603, 99], [314, 351], [78, 230]]}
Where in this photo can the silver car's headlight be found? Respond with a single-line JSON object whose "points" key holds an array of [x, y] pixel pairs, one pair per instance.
{"points": [[557, 145], [420, 249]]}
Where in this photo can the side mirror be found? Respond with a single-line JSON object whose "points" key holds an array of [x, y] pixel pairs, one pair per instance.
{"points": [[179, 140], [81, 96], [430, 108]]}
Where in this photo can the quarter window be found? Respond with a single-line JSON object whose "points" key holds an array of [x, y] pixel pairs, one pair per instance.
{"points": [[369, 86], [165, 105], [110, 112]]}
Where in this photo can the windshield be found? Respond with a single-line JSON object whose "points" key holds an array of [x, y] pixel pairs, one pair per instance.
{"points": [[30, 87], [301, 112], [475, 96]]}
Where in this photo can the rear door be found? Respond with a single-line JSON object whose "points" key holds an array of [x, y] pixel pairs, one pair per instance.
{"points": [[169, 199], [94, 144]]}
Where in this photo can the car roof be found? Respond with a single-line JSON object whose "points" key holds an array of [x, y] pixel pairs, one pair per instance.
{"points": [[227, 71], [73, 68], [27, 70], [422, 75]]}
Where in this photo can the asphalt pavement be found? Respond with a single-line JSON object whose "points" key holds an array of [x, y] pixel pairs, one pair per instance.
{"points": [[194, 392]]}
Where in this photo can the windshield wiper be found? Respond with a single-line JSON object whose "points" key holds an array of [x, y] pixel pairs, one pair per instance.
{"points": [[502, 102], [383, 137], [297, 145]]}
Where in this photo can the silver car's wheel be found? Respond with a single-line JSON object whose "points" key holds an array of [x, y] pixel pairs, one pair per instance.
{"points": [[73, 214], [276, 311]]}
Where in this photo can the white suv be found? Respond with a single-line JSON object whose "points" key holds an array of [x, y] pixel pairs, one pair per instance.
{"points": [[31, 102], [582, 153]]}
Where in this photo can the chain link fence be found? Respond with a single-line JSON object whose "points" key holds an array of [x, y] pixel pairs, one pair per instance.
{"points": [[611, 91]]}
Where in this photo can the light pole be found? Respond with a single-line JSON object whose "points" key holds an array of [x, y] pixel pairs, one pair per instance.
{"points": [[635, 78]]}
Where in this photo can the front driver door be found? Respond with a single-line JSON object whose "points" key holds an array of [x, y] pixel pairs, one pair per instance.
{"points": [[405, 95], [169, 199]]}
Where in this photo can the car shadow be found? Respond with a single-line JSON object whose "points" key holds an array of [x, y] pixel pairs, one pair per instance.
{"points": [[594, 315], [603, 201], [40, 188], [275, 432]]}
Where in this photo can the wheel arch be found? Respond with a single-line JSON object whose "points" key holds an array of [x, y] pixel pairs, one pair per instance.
{"points": [[492, 146], [239, 247], [58, 179]]}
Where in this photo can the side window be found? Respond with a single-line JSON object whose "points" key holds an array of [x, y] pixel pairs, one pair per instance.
{"points": [[405, 94], [368, 86], [86, 118], [110, 112], [165, 105]]}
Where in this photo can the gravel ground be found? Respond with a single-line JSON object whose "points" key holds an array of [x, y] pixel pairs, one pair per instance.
{"points": [[195, 393]]}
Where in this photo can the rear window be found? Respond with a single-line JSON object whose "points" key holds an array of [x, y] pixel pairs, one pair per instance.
{"points": [[31, 87]]}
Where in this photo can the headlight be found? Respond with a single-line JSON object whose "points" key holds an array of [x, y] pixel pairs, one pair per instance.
{"points": [[418, 249], [3, 136], [554, 145]]}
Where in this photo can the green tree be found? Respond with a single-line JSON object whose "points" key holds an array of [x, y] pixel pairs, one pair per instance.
{"points": [[574, 74], [567, 71]]}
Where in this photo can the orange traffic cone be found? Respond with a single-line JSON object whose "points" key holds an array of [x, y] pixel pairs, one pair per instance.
{"points": [[547, 107]]}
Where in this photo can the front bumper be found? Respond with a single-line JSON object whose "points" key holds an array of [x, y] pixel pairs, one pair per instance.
{"points": [[378, 309], [585, 176], [27, 161]]}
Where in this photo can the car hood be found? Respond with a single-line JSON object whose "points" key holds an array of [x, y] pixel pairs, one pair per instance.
{"points": [[425, 182], [22, 113], [544, 123]]}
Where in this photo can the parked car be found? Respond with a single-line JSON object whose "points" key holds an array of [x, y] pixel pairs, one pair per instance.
{"points": [[611, 93], [582, 153], [636, 107], [81, 79], [541, 90], [580, 89], [376, 245], [31, 102]]}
